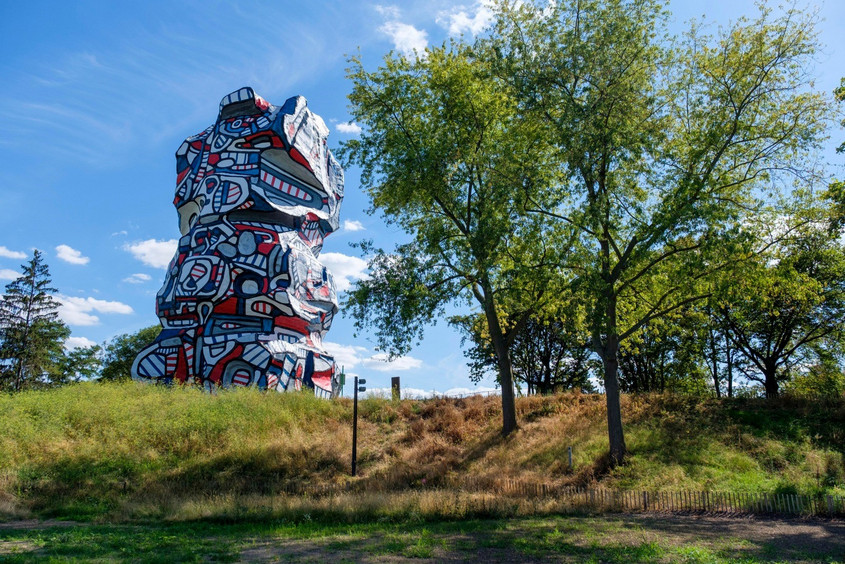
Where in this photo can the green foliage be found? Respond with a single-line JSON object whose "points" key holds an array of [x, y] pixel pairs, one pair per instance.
{"points": [[665, 355], [586, 152], [31, 333], [821, 381], [77, 364], [785, 306], [666, 144], [835, 194], [550, 354], [445, 155], [407, 291], [121, 351]]}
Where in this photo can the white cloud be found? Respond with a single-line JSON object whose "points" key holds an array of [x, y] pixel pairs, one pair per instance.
{"points": [[344, 269], [467, 20], [419, 393], [4, 252], [349, 127], [71, 255], [77, 311], [389, 12], [78, 342], [138, 278], [380, 363], [153, 252], [456, 392], [9, 274], [350, 356], [346, 356], [353, 225], [407, 39], [407, 393]]}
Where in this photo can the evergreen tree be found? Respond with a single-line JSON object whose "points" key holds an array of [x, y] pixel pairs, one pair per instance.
{"points": [[31, 333]]}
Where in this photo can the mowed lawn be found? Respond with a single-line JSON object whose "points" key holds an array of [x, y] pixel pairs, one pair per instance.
{"points": [[573, 538]]}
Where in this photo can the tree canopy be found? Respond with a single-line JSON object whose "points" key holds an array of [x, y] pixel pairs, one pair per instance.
{"points": [[665, 142], [580, 146], [446, 157]]}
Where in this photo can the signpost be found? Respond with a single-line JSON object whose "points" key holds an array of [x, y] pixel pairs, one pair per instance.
{"points": [[358, 388]]}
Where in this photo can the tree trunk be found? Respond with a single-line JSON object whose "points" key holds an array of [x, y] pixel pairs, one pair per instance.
{"points": [[503, 360], [714, 357], [730, 368], [18, 374], [771, 383], [614, 412], [506, 381]]}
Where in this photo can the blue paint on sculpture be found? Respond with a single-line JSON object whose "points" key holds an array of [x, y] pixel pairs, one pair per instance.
{"points": [[245, 300]]}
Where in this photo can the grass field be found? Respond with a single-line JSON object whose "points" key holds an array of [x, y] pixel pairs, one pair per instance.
{"points": [[579, 538], [128, 452]]}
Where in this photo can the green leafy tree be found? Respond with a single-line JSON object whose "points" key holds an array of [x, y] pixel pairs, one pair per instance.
{"points": [[787, 305], [76, 365], [821, 380], [664, 355], [120, 352], [550, 352], [446, 157], [31, 333], [724, 364], [835, 194], [665, 142]]}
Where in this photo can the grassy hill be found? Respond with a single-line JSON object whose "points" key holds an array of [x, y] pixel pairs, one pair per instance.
{"points": [[129, 451]]}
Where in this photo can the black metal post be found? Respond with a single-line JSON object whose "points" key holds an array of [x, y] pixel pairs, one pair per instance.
{"points": [[355, 427], [394, 388]]}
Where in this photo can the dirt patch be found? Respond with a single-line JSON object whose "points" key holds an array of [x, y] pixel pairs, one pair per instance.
{"points": [[16, 547], [35, 524], [784, 536]]}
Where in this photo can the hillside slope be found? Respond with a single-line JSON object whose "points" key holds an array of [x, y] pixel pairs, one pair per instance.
{"points": [[129, 450]]}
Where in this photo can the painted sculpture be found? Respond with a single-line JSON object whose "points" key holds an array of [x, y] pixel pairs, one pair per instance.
{"points": [[245, 301]]}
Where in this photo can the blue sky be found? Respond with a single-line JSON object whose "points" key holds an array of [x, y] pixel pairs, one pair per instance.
{"points": [[97, 97]]}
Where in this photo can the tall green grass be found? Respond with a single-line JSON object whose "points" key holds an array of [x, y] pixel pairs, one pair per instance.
{"points": [[87, 450], [128, 451]]}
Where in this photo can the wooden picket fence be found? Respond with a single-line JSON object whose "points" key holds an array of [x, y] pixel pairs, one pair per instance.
{"points": [[601, 499]]}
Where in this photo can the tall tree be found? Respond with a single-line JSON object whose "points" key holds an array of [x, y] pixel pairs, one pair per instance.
{"points": [[31, 333], [664, 142], [445, 156]]}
